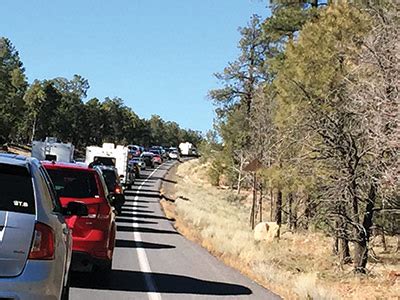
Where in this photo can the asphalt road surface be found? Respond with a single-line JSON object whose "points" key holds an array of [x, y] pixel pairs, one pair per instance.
{"points": [[153, 261]]}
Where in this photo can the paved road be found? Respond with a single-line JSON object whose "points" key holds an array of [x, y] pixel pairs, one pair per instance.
{"points": [[152, 261]]}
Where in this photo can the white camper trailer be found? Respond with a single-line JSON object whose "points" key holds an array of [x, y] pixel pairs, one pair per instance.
{"points": [[187, 149], [54, 150], [111, 155]]}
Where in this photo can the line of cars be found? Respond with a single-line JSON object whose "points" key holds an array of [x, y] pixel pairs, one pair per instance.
{"points": [[57, 217]]}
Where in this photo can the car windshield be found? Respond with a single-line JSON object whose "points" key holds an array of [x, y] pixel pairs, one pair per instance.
{"points": [[74, 183], [16, 189], [110, 178]]}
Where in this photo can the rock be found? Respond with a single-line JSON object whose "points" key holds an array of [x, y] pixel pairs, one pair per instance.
{"points": [[266, 231]]}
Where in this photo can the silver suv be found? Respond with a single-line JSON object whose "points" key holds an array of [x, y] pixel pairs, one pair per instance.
{"points": [[35, 242]]}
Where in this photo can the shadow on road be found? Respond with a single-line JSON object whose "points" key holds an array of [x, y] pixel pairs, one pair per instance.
{"points": [[133, 192], [134, 210], [144, 216], [155, 195], [130, 220], [162, 179], [145, 245], [133, 281], [143, 229]]}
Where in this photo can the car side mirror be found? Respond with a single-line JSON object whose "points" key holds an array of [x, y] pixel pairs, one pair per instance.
{"points": [[76, 209]]}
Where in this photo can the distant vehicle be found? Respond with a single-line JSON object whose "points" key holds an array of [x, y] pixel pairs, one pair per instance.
{"points": [[134, 150], [188, 149], [148, 158], [159, 150], [134, 168], [157, 153], [53, 150], [111, 155], [139, 161], [110, 175], [170, 149], [157, 159], [93, 234], [35, 241], [174, 154]]}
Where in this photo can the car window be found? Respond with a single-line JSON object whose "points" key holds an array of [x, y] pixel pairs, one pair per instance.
{"points": [[16, 189], [74, 183], [106, 161], [110, 178], [53, 194], [102, 183]]}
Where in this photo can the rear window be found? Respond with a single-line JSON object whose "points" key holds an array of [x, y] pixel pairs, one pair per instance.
{"points": [[106, 161], [110, 179], [16, 189], [74, 183]]}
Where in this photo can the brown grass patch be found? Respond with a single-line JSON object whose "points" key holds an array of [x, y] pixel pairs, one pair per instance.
{"points": [[298, 266]]}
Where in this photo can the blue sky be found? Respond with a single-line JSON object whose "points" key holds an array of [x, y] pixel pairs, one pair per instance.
{"points": [[157, 55]]}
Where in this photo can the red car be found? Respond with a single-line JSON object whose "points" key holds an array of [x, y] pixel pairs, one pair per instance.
{"points": [[93, 235], [157, 159]]}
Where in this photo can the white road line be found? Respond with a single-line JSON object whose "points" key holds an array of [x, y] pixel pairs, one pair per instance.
{"points": [[152, 293]]}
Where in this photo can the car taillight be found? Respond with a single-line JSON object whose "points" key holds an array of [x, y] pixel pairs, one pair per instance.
{"points": [[118, 189], [43, 243], [93, 210], [104, 211]]}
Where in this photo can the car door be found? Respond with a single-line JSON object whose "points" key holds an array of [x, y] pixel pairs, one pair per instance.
{"points": [[17, 218], [66, 233]]}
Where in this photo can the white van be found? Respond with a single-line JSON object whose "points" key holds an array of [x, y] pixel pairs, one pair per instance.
{"points": [[111, 155], [187, 149], [53, 150]]}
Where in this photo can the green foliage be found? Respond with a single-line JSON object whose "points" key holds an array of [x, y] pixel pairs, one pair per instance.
{"points": [[12, 88], [216, 170], [321, 118]]}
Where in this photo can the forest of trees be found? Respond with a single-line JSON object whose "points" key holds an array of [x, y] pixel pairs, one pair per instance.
{"points": [[314, 98], [56, 107]]}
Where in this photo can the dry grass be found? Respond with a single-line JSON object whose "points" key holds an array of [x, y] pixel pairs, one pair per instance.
{"points": [[298, 266]]}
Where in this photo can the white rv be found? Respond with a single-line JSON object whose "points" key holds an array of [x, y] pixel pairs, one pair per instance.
{"points": [[187, 149], [112, 155], [54, 150]]}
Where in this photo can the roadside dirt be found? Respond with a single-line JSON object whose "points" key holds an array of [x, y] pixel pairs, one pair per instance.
{"points": [[168, 197], [312, 275]]}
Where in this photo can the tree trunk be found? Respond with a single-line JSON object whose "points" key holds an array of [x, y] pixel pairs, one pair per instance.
{"points": [[271, 216], [341, 234], [307, 213], [361, 245], [335, 246], [253, 205], [344, 251], [383, 238], [278, 210], [294, 214], [290, 210], [239, 184], [33, 129]]}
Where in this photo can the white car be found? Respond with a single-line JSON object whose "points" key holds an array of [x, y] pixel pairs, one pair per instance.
{"points": [[174, 155]]}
